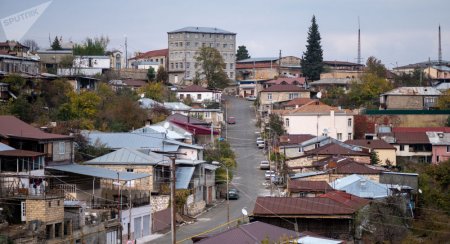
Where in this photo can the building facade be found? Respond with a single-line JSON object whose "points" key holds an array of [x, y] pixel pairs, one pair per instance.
{"points": [[184, 45]]}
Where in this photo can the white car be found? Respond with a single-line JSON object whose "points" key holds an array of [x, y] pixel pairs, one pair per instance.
{"points": [[264, 164], [259, 140], [268, 174], [251, 98], [261, 145]]}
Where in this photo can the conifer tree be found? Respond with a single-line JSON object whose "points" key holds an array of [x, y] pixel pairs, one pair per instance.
{"points": [[312, 59]]}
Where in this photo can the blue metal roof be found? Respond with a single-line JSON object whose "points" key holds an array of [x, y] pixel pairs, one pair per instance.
{"points": [[307, 174], [360, 186], [202, 30], [183, 177], [4, 147], [98, 172], [130, 156]]}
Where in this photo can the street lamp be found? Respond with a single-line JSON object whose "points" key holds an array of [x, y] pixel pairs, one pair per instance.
{"points": [[228, 191]]}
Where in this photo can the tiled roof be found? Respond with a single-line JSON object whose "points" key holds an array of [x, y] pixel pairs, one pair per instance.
{"points": [[290, 139], [194, 29], [300, 101], [286, 80], [194, 88], [411, 138], [309, 186], [291, 206], [374, 144], [284, 88], [152, 53], [335, 149], [421, 129], [254, 232], [11, 126]]}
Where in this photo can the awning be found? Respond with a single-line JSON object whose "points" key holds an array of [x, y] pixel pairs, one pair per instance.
{"points": [[211, 167], [98, 172], [183, 177]]}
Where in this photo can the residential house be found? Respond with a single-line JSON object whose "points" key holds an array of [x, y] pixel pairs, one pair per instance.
{"points": [[440, 146], [298, 102], [133, 85], [385, 151], [198, 94], [297, 81], [289, 144], [12, 64], [13, 48], [51, 60], [415, 98], [325, 84], [318, 119], [117, 59], [259, 232], [279, 93], [87, 66], [438, 73], [332, 214], [145, 65], [20, 135], [263, 68], [341, 69], [155, 56], [173, 132], [201, 130], [5, 93], [412, 146], [250, 87], [184, 45], [305, 188], [410, 68], [362, 187]]}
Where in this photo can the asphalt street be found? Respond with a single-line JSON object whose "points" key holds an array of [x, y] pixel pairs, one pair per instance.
{"points": [[248, 178]]}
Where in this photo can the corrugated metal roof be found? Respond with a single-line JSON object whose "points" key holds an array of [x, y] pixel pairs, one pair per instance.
{"points": [[360, 186], [441, 68], [317, 240], [98, 172], [189, 161], [202, 30], [307, 174], [176, 106], [333, 81], [159, 129], [4, 147], [438, 138], [130, 157], [262, 59], [409, 91], [148, 103], [183, 177]]}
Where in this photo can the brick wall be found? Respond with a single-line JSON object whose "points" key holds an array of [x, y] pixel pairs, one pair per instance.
{"points": [[40, 209]]}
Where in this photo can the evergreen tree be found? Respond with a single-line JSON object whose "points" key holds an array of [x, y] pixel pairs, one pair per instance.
{"points": [[151, 74], [312, 59], [242, 53], [161, 75], [56, 45]]}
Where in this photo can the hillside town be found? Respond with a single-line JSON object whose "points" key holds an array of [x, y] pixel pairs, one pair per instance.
{"points": [[200, 142]]}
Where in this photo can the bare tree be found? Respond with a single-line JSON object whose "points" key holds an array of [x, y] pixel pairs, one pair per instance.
{"points": [[32, 44]]}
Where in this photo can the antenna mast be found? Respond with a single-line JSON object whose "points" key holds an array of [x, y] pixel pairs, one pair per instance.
{"points": [[359, 61], [440, 50]]}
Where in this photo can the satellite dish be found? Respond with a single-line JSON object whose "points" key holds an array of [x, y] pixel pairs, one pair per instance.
{"points": [[166, 125], [420, 191], [142, 95], [319, 95], [244, 212]]}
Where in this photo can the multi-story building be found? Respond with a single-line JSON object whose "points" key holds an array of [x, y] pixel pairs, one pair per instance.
{"points": [[184, 45]]}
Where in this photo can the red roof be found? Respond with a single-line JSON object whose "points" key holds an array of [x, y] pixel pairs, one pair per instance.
{"points": [[301, 101], [411, 138], [194, 88], [335, 149], [284, 88], [374, 144], [290, 139], [20, 153], [291, 206], [153, 53], [309, 186], [421, 129], [11, 126], [347, 199], [195, 129], [287, 81], [350, 166], [135, 83]]}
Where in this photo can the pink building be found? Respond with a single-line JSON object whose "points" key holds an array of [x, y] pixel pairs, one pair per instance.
{"points": [[440, 142]]}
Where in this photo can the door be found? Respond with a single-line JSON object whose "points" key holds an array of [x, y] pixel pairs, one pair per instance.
{"points": [[137, 228], [210, 194], [146, 225]]}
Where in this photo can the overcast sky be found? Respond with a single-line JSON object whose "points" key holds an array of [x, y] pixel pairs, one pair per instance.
{"points": [[395, 31]]}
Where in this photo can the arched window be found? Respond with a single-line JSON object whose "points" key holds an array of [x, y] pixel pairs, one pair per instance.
{"points": [[286, 122]]}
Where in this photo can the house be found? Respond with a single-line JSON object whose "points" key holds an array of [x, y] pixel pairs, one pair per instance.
{"points": [[20, 135], [146, 65], [155, 56], [332, 214], [264, 68], [50, 60], [341, 69], [410, 68], [12, 64], [324, 84], [184, 44], [198, 94], [412, 146], [438, 72], [318, 119], [298, 81], [117, 59], [298, 102], [289, 144], [173, 132], [440, 146], [305, 188], [259, 232], [5, 93], [87, 66], [415, 98], [362, 187], [133, 85], [250, 87], [385, 151], [279, 93], [201, 130]]}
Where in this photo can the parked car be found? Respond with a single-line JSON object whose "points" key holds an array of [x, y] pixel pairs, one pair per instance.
{"points": [[264, 164], [233, 194], [251, 98], [231, 120], [259, 140], [261, 145], [268, 174]]}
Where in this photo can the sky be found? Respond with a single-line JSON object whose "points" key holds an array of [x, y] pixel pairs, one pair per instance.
{"points": [[398, 32]]}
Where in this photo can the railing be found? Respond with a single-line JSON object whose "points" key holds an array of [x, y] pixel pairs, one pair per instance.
{"points": [[31, 192], [400, 112]]}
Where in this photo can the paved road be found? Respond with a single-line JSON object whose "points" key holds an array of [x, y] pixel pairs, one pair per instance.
{"points": [[248, 179]]}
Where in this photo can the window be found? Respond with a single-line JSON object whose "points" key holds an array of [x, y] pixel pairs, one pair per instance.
{"points": [[181, 65], [217, 44], [339, 136], [210, 45], [199, 96], [181, 44], [181, 96], [171, 36], [293, 95], [188, 44], [207, 114], [286, 123], [188, 74], [62, 147], [231, 74], [349, 122], [224, 45], [58, 203], [269, 96], [231, 46], [171, 65], [210, 35], [49, 204], [130, 170], [448, 148], [188, 65], [176, 65], [196, 44], [231, 66], [349, 136], [187, 35], [176, 44], [402, 147], [156, 60]]}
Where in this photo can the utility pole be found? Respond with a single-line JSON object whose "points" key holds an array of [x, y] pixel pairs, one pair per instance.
{"points": [[172, 199], [126, 53]]}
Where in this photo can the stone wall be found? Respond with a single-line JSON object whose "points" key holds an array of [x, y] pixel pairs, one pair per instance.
{"points": [[195, 208], [159, 203], [45, 210]]}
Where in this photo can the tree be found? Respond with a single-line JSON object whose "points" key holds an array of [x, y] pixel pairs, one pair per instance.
{"points": [[413, 79], [276, 124], [312, 59], [161, 75], [56, 45], [444, 100], [367, 92], [151, 74], [82, 107], [374, 159], [154, 90], [374, 66], [16, 84], [212, 67], [54, 93], [32, 44], [92, 46], [242, 53]]}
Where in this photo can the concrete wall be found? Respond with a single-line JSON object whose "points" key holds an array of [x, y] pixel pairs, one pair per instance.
{"points": [[404, 102], [442, 152], [59, 155], [280, 97], [139, 184], [204, 96], [386, 155]]}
